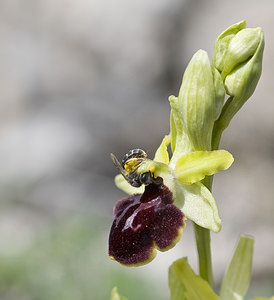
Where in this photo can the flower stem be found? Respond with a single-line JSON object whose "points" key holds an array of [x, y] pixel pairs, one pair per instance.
{"points": [[228, 112], [202, 236]]}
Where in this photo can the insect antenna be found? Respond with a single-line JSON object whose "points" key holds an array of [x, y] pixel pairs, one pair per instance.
{"points": [[119, 166]]}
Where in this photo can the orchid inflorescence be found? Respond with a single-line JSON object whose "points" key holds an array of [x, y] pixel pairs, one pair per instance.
{"points": [[174, 186]]}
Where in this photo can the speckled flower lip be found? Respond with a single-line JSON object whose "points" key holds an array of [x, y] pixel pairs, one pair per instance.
{"points": [[144, 222]]}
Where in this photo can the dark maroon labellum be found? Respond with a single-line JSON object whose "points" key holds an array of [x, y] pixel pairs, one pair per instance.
{"points": [[143, 222]]}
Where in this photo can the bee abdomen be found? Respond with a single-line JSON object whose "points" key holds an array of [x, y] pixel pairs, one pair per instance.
{"points": [[134, 153]]}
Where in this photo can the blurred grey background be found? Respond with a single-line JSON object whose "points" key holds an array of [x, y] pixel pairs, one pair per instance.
{"points": [[81, 79]]}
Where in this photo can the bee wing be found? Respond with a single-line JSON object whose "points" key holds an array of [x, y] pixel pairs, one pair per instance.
{"points": [[119, 166]]}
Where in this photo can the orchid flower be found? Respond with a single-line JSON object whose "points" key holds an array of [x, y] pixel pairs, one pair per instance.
{"points": [[154, 215]]}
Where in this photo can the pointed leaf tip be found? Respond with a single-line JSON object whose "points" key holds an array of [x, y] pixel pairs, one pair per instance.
{"points": [[115, 295], [237, 276], [184, 284]]}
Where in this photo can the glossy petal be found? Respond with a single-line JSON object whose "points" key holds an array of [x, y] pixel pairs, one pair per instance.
{"points": [[194, 166], [144, 222]]}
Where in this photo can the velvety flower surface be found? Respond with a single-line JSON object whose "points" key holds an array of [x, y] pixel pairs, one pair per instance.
{"points": [[142, 223]]}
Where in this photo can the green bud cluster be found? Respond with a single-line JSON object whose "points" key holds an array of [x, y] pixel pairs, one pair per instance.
{"points": [[199, 114]]}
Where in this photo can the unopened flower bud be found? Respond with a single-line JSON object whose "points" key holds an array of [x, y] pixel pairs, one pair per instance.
{"points": [[199, 102], [241, 48], [244, 64], [238, 55]]}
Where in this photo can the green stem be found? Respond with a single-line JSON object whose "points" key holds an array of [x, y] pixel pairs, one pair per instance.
{"points": [[202, 236], [228, 112]]}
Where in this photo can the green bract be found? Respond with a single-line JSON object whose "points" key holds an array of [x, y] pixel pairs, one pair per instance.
{"points": [[191, 196], [186, 285], [237, 276], [115, 295]]}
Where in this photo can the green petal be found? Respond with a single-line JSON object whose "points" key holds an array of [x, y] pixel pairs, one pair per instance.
{"points": [[237, 276], [198, 205], [123, 185], [161, 154], [184, 284], [194, 166], [115, 295], [180, 143]]}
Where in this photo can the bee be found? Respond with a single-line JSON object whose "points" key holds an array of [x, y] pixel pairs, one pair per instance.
{"points": [[129, 166]]}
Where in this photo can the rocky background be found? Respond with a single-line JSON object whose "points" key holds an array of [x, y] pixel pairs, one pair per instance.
{"points": [[81, 79]]}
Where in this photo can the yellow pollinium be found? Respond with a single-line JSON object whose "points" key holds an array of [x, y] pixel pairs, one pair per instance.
{"points": [[152, 167]]}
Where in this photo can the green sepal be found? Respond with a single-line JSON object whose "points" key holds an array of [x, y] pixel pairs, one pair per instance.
{"points": [[115, 295], [222, 42], [184, 284], [180, 143], [194, 166], [196, 101], [161, 154], [219, 91], [237, 276], [198, 205]]}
